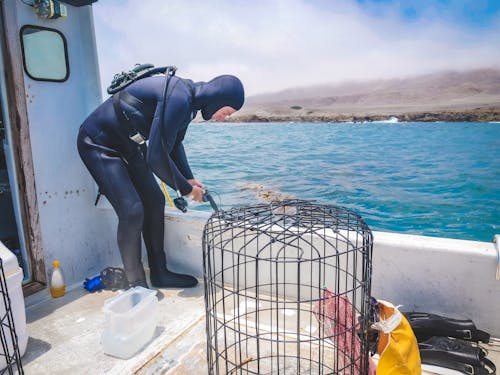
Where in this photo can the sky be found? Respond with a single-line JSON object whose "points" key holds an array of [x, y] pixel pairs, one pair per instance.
{"points": [[272, 45]]}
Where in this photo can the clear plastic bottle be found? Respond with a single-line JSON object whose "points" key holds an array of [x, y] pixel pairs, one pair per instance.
{"points": [[57, 285]]}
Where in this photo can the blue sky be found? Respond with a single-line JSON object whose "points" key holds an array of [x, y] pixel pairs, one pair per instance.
{"points": [[475, 13], [276, 44]]}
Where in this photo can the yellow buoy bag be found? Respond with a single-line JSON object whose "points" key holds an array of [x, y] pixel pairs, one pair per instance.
{"points": [[397, 345]]}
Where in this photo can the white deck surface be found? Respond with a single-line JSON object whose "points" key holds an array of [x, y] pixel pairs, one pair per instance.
{"points": [[65, 336], [65, 333]]}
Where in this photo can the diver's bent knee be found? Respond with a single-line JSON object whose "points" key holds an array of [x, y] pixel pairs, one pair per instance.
{"points": [[133, 215], [155, 202]]}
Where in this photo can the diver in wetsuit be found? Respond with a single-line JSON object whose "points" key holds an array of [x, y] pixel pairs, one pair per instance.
{"points": [[123, 168]]}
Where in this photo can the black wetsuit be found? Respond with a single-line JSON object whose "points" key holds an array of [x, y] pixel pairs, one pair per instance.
{"points": [[124, 170]]}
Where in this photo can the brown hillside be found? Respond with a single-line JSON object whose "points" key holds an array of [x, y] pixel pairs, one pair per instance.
{"points": [[447, 96]]}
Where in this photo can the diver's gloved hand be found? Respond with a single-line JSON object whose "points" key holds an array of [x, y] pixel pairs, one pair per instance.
{"points": [[168, 279]]}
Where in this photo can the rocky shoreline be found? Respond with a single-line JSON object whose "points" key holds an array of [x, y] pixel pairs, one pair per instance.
{"points": [[473, 115]]}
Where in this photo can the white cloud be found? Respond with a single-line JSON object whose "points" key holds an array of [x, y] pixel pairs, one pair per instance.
{"points": [[277, 44]]}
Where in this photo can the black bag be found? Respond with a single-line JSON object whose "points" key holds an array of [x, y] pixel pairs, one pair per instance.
{"points": [[457, 355], [426, 325]]}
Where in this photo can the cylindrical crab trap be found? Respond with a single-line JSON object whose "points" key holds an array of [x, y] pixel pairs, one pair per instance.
{"points": [[287, 289], [10, 357]]}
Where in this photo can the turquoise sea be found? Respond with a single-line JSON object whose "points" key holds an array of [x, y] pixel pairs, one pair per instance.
{"points": [[434, 179]]}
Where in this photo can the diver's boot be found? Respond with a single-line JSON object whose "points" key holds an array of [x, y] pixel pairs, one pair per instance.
{"points": [[456, 354], [169, 279], [161, 277]]}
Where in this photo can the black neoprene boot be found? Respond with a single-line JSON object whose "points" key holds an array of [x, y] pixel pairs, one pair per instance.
{"points": [[161, 277], [168, 279]]}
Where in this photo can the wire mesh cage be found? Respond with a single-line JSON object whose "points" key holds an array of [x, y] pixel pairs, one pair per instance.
{"points": [[10, 357], [287, 289]]}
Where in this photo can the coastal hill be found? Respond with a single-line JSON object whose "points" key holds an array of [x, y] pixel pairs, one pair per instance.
{"points": [[445, 96]]}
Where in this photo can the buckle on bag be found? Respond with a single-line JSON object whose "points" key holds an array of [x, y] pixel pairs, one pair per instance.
{"points": [[469, 369], [468, 334], [138, 138]]}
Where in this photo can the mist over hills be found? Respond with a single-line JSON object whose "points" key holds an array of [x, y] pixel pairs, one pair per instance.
{"points": [[446, 96]]}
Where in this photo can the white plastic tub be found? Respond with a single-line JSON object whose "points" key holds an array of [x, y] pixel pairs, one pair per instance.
{"points": [[130, 321], [14, 278]]}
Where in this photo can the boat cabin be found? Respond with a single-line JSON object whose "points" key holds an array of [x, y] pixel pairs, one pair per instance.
{"points": [[49, 83]]}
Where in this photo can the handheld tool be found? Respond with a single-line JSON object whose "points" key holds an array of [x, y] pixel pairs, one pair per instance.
{"points": [[207, 197], [181, 203]]}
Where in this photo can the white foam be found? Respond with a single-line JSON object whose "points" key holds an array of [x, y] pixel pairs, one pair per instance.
{"points": [[390, 120]]}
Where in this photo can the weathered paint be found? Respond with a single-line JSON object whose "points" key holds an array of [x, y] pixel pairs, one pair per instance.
{"points": [[71, 229], [18, 144]]}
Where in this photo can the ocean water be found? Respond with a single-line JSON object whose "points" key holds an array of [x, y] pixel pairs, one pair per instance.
{"points": [[433, 179]]}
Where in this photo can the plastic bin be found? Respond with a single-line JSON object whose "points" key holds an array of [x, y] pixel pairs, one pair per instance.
{"points": [[14, 278], [130, 322]]}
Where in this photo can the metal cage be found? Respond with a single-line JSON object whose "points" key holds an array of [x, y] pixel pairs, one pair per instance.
{"points": [[287, 289], [10, 357]]}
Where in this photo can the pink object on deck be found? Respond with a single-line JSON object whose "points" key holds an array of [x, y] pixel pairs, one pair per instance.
{"points": [[335, 315]]}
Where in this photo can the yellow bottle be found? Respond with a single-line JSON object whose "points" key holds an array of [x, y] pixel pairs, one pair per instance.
{"points": [[57, 285]]}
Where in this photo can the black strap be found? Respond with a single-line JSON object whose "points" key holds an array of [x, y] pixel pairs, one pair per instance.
{"points": [[479, 335], [485, 368], [426, 325], [97, 197], [456, 354], [168, 74], [133, 119]]}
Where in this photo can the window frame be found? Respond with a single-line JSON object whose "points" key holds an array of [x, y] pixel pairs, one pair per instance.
{"points": [[66, 58]]}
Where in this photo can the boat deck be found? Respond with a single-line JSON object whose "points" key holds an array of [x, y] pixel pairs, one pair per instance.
{"points": [[65, 336]]}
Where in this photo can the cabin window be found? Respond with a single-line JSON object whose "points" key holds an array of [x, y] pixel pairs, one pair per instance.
{"points": [[45, 53]]}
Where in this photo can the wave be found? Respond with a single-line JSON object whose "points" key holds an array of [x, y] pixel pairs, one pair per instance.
{"points": [[390, 120]]}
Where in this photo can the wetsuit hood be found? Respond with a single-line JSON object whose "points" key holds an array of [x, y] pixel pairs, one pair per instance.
{"points": [[220, 92]]}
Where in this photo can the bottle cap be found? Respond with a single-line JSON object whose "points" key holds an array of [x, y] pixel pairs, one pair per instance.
{"points": [[55, 264]]}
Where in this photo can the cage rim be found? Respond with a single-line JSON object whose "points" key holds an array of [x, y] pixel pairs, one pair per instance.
{"points": [[270, 207]]}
